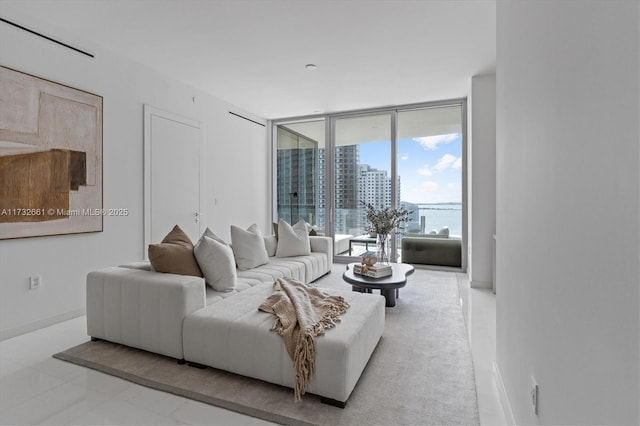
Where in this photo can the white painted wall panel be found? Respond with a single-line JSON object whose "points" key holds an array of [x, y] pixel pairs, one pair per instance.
{"points": [[241, 182], [568, 208], [235, 162], [482, 182]]}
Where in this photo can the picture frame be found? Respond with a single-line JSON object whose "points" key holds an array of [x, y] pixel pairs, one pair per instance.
{"points": [[51, 180]]}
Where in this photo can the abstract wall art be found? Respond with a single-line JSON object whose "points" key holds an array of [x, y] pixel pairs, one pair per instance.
{"points": [[50, 158]]}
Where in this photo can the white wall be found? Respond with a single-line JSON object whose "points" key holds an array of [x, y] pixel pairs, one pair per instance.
{"points": [[236, 168], [567, 209], [482, 180]]}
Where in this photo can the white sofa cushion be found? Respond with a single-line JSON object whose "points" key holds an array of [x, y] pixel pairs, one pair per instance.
{"points": [[302, 268], [248, 247], [293, 240]]}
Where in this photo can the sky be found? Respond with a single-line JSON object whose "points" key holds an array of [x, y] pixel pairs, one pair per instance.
{"points": [[430, 168]]}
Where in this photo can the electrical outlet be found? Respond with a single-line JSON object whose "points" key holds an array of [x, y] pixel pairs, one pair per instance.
{"points": [[35, 282], [534, 396]]}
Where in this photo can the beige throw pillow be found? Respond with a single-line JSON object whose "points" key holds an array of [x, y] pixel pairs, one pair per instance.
{"points": [[248, 247], [293, 240], [174, 255]]}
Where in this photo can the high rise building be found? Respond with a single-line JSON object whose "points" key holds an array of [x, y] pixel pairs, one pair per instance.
{"points": [[302, 187], [297, 177], [375, 189], [375, 186], [346, 176]]}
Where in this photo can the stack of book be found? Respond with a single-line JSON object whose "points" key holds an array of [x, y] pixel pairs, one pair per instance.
{"points": [[375, 271]]}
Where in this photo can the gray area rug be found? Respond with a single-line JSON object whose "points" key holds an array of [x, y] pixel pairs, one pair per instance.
{"points": [[421, 372]]}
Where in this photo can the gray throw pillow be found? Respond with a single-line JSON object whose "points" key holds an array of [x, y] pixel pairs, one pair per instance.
{"points": [[271, 244], [293, 240], [248, 247], [217, 263]]}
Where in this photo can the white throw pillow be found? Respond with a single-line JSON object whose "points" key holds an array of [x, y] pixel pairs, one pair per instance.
{"points": [[209, 233], [293, 240], [217, 263], [248, 247], [271, 244]]}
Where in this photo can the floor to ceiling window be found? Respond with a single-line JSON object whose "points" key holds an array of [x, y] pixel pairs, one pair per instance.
{"points": [[361, 172], [329, 168], [300, 183], [430, 164]]}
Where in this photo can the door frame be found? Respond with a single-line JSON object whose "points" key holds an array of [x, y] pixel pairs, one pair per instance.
{"points": [[149, 112]]}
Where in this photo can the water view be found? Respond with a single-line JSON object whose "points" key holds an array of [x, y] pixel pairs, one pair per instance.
{"points": [[438, 216]]}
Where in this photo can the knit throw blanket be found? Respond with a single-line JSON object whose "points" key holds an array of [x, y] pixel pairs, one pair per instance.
{"points": [[302, 313]]}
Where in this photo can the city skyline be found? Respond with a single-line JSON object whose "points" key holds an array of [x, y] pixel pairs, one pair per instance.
{"points": [[430, 167], [429, 172]]}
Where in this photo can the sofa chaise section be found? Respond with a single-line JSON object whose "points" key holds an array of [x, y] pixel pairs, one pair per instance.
{"points": [[233, 335]]}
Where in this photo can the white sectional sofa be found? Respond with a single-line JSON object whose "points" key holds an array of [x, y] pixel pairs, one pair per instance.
{"points": [[181, 317]]}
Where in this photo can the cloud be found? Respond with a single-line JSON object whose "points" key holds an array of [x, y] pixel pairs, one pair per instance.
{"points": [[432, 142], [424, 171], [453, 185], [430, 186], [445, 162], [404, 157]]}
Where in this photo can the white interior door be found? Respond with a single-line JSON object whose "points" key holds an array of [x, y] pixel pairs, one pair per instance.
{"points": [[173, 175]]}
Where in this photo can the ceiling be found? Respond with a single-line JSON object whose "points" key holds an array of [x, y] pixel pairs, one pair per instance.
{"points": [[252, 53]]}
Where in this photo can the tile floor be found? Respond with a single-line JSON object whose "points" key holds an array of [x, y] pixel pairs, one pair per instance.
{"points": [[37, 389]]}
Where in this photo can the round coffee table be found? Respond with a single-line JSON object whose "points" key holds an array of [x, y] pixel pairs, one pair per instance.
{"points": [[388, 286]]}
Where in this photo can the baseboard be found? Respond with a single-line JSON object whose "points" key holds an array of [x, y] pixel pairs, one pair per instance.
{"points": [[481, 284], [504, 397], [439, 268], [37, 325]]}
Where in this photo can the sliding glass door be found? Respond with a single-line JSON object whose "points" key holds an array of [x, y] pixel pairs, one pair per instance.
{"points": [[362, 175], [430, 162]]}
